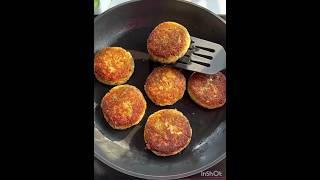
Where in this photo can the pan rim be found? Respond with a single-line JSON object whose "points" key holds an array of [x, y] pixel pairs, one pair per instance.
{"points": [[133, 1], [148, 176]]}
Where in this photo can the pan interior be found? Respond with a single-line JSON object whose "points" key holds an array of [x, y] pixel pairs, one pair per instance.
{"points": [[128, 26]]}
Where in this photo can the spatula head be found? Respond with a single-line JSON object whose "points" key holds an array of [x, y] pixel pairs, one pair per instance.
{"points": [[203, 56]]}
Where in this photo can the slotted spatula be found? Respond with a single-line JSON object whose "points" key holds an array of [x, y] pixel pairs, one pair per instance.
{"points": [[203, 56]]}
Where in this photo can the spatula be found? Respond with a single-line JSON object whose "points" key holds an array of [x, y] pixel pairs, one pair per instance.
{"points": [[203, 56]]}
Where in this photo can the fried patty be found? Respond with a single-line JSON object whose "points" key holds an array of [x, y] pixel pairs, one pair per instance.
{"points": [[123, 106], [208, 91], [165, 85], [167, 132], [168, 42], [113, 65]]}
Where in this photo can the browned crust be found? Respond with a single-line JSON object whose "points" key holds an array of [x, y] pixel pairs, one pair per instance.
{"points": [[113, 65], [167, 132], [168, 42], [123, 106], [208, 91], [165, 85]]}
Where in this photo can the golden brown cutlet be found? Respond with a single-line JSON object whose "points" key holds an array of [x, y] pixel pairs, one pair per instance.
{"points": [[165, 85], [123, 106], [208, 91], [168, 42], [113, 65], [167, 132]]}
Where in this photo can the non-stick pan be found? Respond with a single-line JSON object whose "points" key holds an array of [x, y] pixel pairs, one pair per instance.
{"points": [[128, 25]]}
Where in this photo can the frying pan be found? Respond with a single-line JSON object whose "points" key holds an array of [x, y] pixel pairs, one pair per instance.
{"points": [[128, 25]]}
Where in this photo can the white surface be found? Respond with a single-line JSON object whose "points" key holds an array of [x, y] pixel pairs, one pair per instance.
{"points": [[216, 6], [103, 6]]}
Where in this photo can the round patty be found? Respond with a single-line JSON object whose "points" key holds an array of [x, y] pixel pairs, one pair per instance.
{"points": [[168, 42], [208, 91], [113, 65], [123, 106], [167, 132], [165, 85]]}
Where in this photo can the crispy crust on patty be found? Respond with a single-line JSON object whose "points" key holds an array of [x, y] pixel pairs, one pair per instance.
{"points": [[167, 132], [113, 65], [123, 106], [165, 85], [208, 91], [168, 42]]}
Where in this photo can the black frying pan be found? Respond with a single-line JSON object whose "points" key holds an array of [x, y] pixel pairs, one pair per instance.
{"points": [[128, 25]]}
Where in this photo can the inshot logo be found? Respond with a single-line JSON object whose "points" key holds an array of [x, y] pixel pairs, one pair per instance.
{"points": [[210, 173]]}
